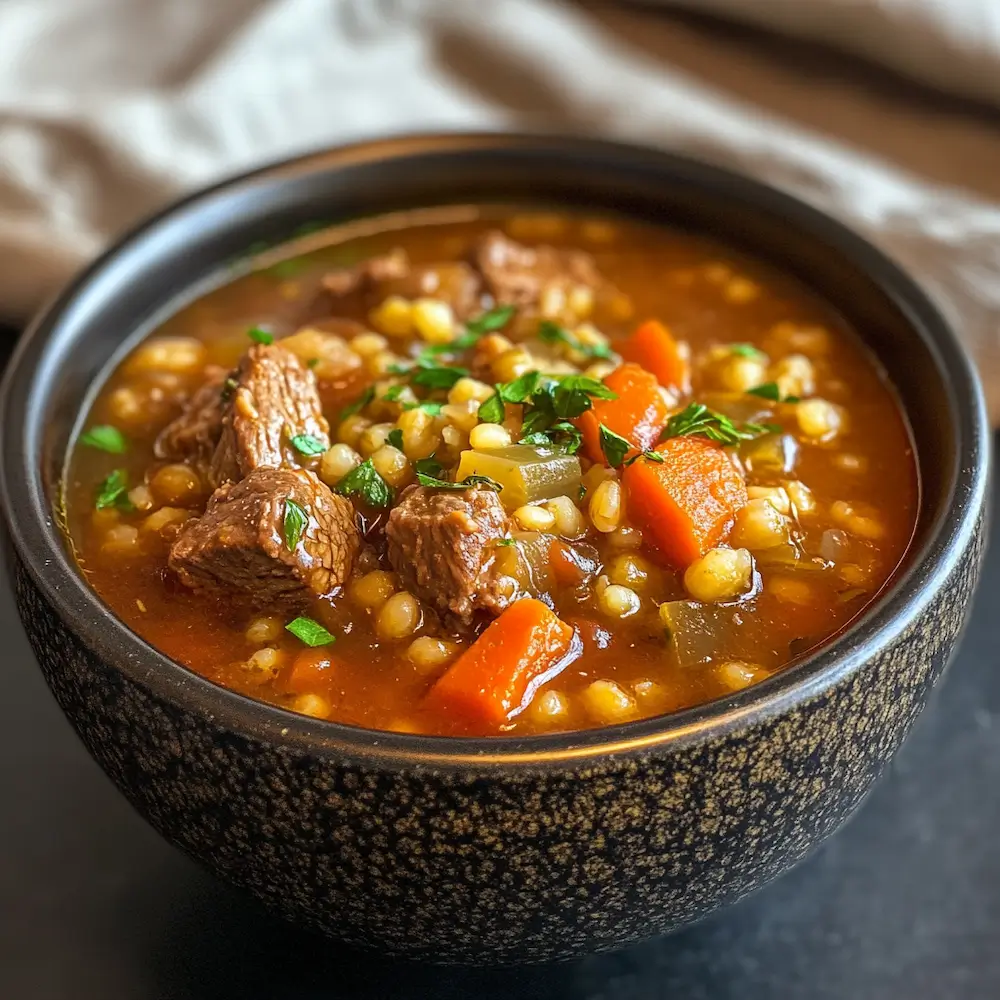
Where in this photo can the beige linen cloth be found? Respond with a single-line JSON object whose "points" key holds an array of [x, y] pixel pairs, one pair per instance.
{"points": [[110, 108]]}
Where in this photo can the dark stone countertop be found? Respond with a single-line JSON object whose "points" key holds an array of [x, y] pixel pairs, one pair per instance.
{"points": [[905, 903]]}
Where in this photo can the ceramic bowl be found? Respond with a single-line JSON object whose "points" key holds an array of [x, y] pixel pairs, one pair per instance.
{"points": [[495, 850]]}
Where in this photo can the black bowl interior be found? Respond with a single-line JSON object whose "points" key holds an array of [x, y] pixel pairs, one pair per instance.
{"points": [[174, 257]]}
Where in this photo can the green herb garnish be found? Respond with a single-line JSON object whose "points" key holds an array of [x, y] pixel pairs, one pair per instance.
{"points": [[395, 438], [772, 391], [113, 492], [492, 411], [573, 393], [494, 319], [307, 444], [393, 393], [552, 333], [228, 388], [470, 482], [296, 521], [614, 446], [428, 467], [561, 436], [433, 376], [434, 409], [365, 482], [310, 632], [505, 541], [521, 389], [312, 362], [698, 419], [260, 336], [358, 405], [745, 351], [104, 437]]}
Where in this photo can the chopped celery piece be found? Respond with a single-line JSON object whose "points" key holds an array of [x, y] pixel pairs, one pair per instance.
{"points": [[787, 556], [773, 454], [698, 633], [526, 473]]}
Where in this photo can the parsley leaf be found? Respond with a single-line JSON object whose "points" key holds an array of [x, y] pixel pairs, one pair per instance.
{"points": [[552, 333], [433, 376], [228, 388], [572, 395], [104, 437], [365, 482], [745, 351], [307, 444], [428, 467], [561, 436], [614, 446], [521, 389], [310, 632], [698, 419], [113, 492], [505, 541], [492, 411], [470, 482], [395, 438], [434, 409], [296, 521], [358, 405], [260, 336], [768, 390], [393, 393], [495, 319]]}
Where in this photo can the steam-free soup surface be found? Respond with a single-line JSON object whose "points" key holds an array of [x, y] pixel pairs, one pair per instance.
{"points": [[484, 473]]}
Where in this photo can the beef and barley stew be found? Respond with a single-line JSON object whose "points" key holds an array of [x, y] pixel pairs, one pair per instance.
{"points": [[494, 473]]}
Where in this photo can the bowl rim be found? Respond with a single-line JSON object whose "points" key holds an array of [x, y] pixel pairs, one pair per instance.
{"points": [[37, 539]]}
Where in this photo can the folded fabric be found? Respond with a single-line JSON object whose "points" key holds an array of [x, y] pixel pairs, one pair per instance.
{"points": [[109, 108], [950, 44]]}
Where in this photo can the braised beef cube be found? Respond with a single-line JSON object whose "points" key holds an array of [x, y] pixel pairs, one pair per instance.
{"points": [[238, 549], [194, 435], [273, 398], [442, 546], [517, 275], [369, 273]]}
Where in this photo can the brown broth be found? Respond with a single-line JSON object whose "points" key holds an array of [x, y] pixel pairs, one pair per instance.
{"points": [[708, 296]]}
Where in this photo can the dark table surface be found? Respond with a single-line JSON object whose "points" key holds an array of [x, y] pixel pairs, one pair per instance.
{"points": [[904, 903]]}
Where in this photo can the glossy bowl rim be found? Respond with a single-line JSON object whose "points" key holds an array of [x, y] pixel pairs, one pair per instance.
{"points": [[38, 540]]}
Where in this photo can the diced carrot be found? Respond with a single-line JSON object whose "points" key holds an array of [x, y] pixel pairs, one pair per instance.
{"points": [[312, 668], [686, 504], [639, 414], [492, 678], [653, 347]]}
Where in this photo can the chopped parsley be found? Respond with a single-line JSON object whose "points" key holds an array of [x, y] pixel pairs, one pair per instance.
{"points": [[358, 405], [434, 409], [492, 411], [771, 391], [698, 419], [552, 333], [433, 376], [393, 393], [307, 444], [104, 437], [395, 438], [113, 492], [365, 482], [505, 541], [296, 521], [561, 436], [260, 336], [521, 389], [428, 467], [494, 319], [615, 448], [470, 482], [310, 632], [745, 351], [228, 388]]}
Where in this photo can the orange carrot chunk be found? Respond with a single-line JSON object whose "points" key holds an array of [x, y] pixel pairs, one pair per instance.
{"points": [[685, 505], [653, 347], [639, 414], [495, 675]]}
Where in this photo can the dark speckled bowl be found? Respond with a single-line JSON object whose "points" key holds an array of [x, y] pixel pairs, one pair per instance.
{"points": [[495, 850]]}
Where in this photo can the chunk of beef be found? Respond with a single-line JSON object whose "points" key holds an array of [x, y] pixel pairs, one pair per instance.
{"points": [[238, 548], [517, 275], [193, 436], [442, 544], [273, 400], [362, 277]]}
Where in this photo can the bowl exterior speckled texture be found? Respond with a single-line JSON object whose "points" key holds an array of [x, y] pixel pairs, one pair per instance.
{"points": [[514, 864]]}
